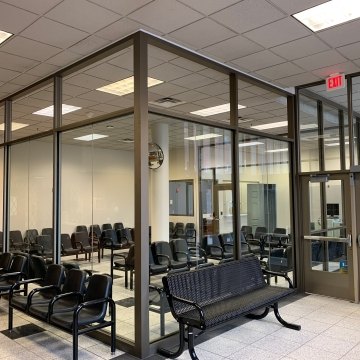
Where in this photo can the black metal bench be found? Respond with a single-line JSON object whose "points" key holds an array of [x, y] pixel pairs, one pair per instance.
{"points": [[210, 296]]}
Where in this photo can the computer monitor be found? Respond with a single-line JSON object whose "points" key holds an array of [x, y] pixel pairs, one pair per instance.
{"points": [[332, 210]]}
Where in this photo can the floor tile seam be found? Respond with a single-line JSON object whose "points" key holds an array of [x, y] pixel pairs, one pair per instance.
{"points": [[329, 351], [261, 348]]}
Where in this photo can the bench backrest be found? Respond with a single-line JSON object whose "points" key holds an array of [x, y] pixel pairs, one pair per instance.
{"points": [[214, 283]]}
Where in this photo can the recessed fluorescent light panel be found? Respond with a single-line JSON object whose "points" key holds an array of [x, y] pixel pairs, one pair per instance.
{"points": [[250, 143], [14, 126], [202, 137], [91, 137], [126, 86], [4, 36], [215, 110], [329, 14], [336, 144], [308, 126], [270, 125], [49, 111], [276, 150]]}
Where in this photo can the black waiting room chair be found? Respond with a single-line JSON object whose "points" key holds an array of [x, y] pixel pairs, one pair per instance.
{"points": [[212, 245], [16, 273], [5, 261], [193, 255], [17, 241], [164, 256], [67, 248]]}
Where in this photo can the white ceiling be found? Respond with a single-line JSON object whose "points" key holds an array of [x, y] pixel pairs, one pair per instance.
{"points": [[256, 36]]}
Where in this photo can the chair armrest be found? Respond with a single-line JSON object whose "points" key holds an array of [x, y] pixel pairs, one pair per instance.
{"points": [[275, 273], [11, 274], [91, 303], [62, 296], [40, 289], [197, 307], [216, 247], [183, 253], [166, 257]]}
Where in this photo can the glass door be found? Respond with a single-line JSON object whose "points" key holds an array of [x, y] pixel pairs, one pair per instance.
{"points": [[326, 229], [223, 208]]}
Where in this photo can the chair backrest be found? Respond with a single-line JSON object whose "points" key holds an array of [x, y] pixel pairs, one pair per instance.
{"points": [[95, 229], [5, 260], [118, 226], [66, 241], [48, 231], [80, 237], [16, 237], [259, 231], [210, 240], [37, 266], [30, 235], [178, 248], [179, 230], [130, 259], [74, 281], [54, 275], [81, 228], [18, 263], [99, 287], [110, 234], [246, 230], [106, 226], [226, 239], [45, 242], [162, 247], [279, 231], [190, 225]]}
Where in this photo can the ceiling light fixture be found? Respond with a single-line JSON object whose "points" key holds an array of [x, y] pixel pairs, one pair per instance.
{"points": [[49, 111], [14, 126], [336, 144], [308, 126], [219, 109], [276, 150], [4, 36], [202, 137], [125, 86], [270, 125], [250, 143], [329, 14], [91, 137]]}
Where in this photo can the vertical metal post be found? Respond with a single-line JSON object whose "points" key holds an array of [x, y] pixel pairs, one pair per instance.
{"points": [[350, 123], [56, 169], [355, 249], [235, 163], [141, 196], [6, 177], [342, 139]]}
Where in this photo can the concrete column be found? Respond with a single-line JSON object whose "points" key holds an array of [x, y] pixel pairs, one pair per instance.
{"points": [[159, 216]]}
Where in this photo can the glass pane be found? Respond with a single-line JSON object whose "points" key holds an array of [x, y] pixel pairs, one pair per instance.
{"points": [[187, 88], [2, 121], [101, 88], [262, 109], [331, 138], [33, 114], [200, 155], [265, 205], [309, 145], [356, 119]]}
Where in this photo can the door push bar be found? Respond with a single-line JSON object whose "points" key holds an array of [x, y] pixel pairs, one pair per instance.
{"points": [[346, 240]]}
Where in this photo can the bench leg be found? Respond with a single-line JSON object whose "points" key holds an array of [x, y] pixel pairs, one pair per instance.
{"points": [[113, 327], [282, 321], [191, 343], [177, 353], [260, 316]]}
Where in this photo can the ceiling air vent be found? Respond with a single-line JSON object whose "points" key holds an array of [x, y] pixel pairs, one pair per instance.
{"points": [[167, 102]]}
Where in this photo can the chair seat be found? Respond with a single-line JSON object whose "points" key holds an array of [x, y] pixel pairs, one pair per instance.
{"points": [[42, 310], [157, 269]]}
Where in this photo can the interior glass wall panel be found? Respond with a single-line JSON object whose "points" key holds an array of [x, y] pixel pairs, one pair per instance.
{"points": [[187, 88], [356, 117], [331, 137], [33, 113], [2, 122], [262, 109], [31, 183], [197, 158], [99, 89], [98, 207], [309, 134], [1, 197], [265, 204]]}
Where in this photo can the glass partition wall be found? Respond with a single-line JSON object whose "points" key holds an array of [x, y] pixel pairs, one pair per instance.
{"points": [[74, 151]]}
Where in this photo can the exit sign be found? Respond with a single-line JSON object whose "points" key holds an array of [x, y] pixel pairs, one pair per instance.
{"points": [[334, 82]]}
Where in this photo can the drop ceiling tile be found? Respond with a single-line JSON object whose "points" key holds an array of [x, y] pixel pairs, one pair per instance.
{"points": [[123, 7], [197, 34], [13, 19], [193, 81], [6, 75], [165, 15], [86, 82], [120, 29], [351, 51], [247, 15], [108, 72], [258, 60], [35, 6], [9, 88], [168, 72], [166, 90], [280, 71], [215, 75], [233, 48], [342, 34], [320, 60], [63, 58], [299, 79], [17, 63], [215, 89], [43, 70], [346, 67], [29, 49], [25, 79], [191, 95], [294, 6], [89, 45], [209, 6], [82, 15], [188, 64], [278, 32], [300, 48], [53, 33]]}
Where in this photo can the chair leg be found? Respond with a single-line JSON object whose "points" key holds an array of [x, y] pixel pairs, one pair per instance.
{"points": [[126, 277], [75, 341], [282, 321], [10, 318], [177, 353], [113, 327]]}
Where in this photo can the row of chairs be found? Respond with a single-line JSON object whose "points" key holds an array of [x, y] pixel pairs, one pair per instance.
{"points": [[179, 230]]}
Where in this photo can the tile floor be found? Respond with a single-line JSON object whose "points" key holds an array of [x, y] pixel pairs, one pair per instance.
{"points": [[330, 330]]}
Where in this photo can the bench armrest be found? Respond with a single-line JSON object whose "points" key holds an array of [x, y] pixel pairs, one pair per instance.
{"points": [[274, 273], [196, 306]]}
